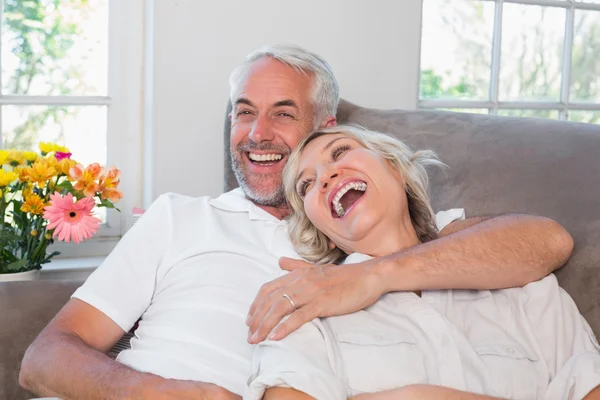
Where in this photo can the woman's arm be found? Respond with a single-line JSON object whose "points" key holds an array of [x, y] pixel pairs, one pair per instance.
{"points": [[278, 393], [422, 392], [301, 361]]}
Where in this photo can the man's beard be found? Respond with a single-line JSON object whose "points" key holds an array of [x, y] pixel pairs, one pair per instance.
{"points": [[258, 194]]}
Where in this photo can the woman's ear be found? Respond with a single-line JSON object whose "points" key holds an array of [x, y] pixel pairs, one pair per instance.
{"points": [[332, 245]]}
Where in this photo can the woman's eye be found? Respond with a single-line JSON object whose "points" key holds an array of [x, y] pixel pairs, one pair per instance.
{"points": [[303, 188], [338, 151]]}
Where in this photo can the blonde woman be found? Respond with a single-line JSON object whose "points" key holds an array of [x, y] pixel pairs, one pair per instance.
{"points": [[357, 194]]}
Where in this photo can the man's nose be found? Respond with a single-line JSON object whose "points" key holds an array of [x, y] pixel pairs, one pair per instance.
{"points": [[261, 130]]}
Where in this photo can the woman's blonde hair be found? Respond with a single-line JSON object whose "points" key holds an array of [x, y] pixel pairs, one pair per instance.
{"points": [[312, 244]]}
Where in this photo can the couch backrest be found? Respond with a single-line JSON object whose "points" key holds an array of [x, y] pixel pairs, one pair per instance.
{"points": [[501, 165]]}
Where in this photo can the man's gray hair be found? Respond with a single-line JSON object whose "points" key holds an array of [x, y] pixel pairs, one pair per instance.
{"points": [[325, 91]]}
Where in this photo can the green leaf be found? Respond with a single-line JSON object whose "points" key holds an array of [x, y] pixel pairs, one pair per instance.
{"points": [[6, 237], [67, 185], [49, 256], [106, 203], [17, 265]]}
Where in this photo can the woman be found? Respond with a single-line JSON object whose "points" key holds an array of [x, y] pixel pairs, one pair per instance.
{"points": [[357, 194]]}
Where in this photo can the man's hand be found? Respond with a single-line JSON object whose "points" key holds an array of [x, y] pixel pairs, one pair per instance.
{"points": [[316, 291]]}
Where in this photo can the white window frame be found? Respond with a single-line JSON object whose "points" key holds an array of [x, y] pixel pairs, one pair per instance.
{"points": [[124, 101], [493, 104]]}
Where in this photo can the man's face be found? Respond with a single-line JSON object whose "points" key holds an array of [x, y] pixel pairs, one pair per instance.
{"points": [[271, 114]]}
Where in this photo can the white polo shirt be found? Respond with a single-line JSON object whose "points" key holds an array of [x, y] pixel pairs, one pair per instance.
{"points": [[191, 267], [519, 343]]}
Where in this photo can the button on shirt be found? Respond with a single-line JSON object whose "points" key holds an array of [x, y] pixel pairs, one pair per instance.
{"points": [[518, 343], [191, 267]]}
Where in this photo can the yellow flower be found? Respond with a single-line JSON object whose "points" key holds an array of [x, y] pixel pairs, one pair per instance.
{"points": [[33, 232], [3, 157], [40, 173], [33, 204], [15, 158], [46, 148], [7, 177], [30, 156], [48, 236], [64, 165]]}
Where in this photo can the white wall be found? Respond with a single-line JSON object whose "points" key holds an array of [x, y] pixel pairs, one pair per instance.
{"points": [[371, 45]]}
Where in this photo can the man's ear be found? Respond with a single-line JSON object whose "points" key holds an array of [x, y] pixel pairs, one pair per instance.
{"points": [[230, 117], [329, 122]]}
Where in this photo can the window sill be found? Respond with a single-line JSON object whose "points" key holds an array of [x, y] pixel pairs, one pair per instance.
{"points": [[72, 268]]}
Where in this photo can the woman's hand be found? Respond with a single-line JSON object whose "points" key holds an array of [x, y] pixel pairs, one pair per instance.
{"points": [[316, 291]]}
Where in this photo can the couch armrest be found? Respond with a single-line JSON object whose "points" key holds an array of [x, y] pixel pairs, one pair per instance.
{"points": [[25, 309]]}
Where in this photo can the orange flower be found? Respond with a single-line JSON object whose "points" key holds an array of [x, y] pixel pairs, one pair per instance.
{"points": [[108, 185], [86, 178], [22, 172], [39, 173], [33, 204]]}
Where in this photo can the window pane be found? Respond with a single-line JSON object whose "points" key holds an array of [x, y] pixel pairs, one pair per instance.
{"points": [[552, 114], [467, 110], [585, 69], [55, 47], [532, 48], [82, 129], [590, 117], [456, 49]]}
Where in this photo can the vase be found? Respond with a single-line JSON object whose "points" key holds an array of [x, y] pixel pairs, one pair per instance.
{"points": [[21, 276]]}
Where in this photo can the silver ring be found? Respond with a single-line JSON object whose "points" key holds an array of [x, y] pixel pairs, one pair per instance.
{"points": [[290, 300]]}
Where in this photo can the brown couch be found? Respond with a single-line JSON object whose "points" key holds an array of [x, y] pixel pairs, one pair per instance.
{"points": [[497, 165]]}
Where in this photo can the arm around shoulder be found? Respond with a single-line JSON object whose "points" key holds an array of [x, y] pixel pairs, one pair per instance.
{"points": [[479, 253]]}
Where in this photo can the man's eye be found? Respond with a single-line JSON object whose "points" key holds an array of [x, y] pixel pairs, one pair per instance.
{"points": [[243, 112], [286, 115]]}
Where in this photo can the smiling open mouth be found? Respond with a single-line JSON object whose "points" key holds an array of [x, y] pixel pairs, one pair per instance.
{"points": [[346, 197], [264, 159]]}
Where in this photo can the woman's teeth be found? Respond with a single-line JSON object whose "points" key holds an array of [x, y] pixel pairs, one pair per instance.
{"points": [[264, 157], [337, 206]]}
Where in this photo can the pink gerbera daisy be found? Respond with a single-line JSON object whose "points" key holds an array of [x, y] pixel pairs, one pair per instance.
{"points": [[72, 220]]}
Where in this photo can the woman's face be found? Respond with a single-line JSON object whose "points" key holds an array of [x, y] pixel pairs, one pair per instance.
{"points": [[352, 194]]}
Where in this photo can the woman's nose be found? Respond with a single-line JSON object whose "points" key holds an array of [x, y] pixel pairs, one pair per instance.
{"points": [[327, 178]]}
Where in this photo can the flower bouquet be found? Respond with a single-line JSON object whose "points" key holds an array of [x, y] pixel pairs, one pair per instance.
{"points": [[48, 196]]}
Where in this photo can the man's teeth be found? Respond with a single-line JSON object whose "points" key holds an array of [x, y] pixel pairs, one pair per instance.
{"points": [[337, 206], [265, 157]]}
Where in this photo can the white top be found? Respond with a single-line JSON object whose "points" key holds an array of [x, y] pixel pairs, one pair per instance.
{"points": [[518, 343], [191, 267]]}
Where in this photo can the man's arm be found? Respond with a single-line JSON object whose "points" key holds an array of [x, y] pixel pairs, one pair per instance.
{"points": [[476, 253], [479, 253], [67, 360]]}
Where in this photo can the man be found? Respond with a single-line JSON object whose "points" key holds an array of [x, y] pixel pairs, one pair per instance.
{"points": [[190, 268]]}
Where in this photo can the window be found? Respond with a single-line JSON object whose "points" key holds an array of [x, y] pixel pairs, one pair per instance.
{"points": [[528, 58], [69, 76]]}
